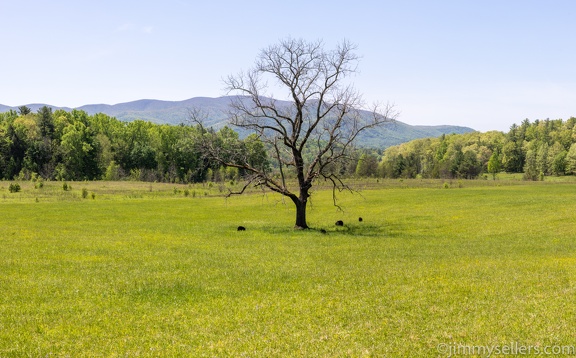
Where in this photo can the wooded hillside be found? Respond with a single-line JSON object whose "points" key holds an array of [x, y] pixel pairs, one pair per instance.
{"points": [[537, 149]]}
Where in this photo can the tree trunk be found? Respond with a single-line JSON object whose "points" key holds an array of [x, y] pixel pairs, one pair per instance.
{"points": [[300, 213]]}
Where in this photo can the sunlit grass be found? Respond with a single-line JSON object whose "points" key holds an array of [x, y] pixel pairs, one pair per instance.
{"points": [[143, 270]]}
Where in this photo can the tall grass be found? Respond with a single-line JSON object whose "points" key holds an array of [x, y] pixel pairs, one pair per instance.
{"points": [[146, 271]]}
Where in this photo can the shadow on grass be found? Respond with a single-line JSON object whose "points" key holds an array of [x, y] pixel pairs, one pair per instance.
{"points": [[358, 230]]}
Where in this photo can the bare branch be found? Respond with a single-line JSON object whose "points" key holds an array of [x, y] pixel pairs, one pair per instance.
{"points": [[311, 132]]}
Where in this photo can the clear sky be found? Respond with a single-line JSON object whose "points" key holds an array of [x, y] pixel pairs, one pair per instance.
{"points": [[485, 64]]}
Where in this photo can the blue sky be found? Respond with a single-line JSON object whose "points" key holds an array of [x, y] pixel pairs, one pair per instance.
{"points": [[484, 64]]}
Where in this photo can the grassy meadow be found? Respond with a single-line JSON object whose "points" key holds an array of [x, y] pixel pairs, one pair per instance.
{"points": [[141, 269]]}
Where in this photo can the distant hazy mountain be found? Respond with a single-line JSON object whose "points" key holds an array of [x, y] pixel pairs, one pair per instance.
{"points": [[176, 112], [33, 106]]}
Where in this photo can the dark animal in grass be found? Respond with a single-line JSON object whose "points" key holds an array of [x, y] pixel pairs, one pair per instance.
{"points": [[241, 228], [339, 223], [360, 219]]}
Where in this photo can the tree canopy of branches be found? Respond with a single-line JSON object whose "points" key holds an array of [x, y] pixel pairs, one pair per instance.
{"points": [[319, 115]]}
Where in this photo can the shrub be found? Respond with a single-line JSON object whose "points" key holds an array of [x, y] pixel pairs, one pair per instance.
{"points": [[112, 171], [84, 193], [39, 184], [14, 188], [66, 187], [93, 194], [135, 174]]}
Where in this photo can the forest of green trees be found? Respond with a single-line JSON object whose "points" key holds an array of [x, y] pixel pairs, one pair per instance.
{"points": [[73, 145], [537, 149]]}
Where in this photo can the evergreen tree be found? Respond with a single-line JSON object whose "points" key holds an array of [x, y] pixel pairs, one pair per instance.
{"points": [[24, 110], [367, 165], [531, 171]]}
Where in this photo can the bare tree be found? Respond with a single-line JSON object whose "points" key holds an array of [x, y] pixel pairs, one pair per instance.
{"points": [[313, 129]]}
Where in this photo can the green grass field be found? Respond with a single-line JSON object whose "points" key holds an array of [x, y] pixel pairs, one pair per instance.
{"points": [[146, 270]]}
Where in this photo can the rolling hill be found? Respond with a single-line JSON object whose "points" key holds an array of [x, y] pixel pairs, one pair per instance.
{"points": [[176, 112]]}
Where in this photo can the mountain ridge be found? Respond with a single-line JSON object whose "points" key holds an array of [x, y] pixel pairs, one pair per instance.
{"points": [[176, 112]]}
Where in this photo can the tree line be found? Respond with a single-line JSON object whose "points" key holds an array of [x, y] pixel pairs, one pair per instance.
{"points": [[62, 145], [537, 149]]}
